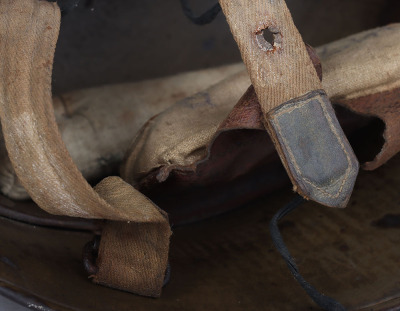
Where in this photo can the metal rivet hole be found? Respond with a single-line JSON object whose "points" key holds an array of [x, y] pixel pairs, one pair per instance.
{"points": [[269, 39]]}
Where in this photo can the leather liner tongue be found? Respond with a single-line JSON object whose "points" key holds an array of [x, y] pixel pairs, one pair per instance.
{"points": [[297, 112]]}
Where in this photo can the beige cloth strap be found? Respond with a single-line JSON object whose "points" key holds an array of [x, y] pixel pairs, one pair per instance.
{"points": [[297, 112], [29, 31], [133, 255], [287, 71]]}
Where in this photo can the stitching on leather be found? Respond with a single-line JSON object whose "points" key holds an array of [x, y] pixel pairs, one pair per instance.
{"points": [[333, 129], [326, 114]]}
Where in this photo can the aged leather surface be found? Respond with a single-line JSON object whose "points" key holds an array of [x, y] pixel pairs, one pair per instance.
{"points": [[87, 121], [318, 158]]}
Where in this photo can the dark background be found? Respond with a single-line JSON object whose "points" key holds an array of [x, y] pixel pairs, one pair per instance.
{"points": [[103, 41]]}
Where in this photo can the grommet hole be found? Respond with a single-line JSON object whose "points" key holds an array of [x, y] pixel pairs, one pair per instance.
{"points": [[268, 36], [269, 39]]}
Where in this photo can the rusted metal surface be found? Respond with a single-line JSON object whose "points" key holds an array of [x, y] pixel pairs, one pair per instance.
{"points": [[228, 262]]}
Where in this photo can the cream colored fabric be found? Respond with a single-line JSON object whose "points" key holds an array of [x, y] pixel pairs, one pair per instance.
{"points": [[362, 64], [148, 150], [285, 71], [97, 125], [191, 122]]}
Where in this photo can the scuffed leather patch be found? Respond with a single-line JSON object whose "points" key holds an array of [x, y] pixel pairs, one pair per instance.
{"points": [[314, 149]]}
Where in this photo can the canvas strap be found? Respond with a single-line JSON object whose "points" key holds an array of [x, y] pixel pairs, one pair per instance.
{"points": [[297, 111], [134, 246]]}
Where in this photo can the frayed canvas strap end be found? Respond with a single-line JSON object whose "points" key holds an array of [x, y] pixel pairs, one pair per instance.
{"points": [[132, 255]]}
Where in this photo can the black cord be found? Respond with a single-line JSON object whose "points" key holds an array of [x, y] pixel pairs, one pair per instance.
{"points": [[323, 301], [205, 18]]}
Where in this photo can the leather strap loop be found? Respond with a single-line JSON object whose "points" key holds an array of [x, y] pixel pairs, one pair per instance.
{"points": [[29, 31]]}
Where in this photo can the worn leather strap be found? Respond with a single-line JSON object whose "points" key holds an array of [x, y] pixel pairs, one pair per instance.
{"points": [[29, 31], [299, 117], [320, 162]]}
